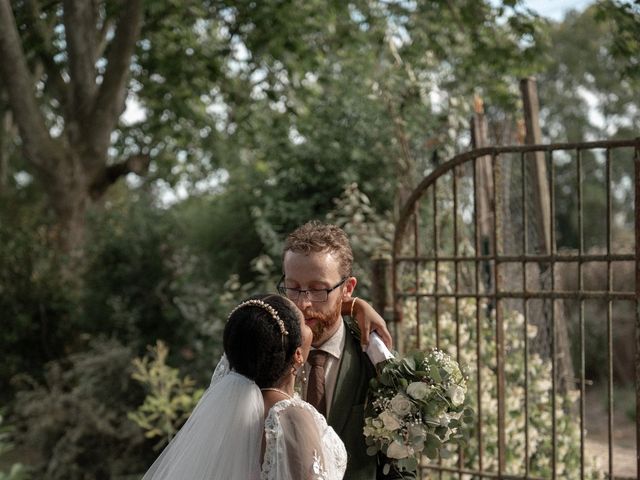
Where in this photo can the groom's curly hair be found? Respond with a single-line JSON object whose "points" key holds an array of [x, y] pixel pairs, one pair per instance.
{"points": [[254, 344], [315, 236]]}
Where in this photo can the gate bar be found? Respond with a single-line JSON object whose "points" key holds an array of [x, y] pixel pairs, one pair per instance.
{"points": [[532, 258], [497, 224], [581, 309], [609, 316], [554, 347], [558, 294], [407, 208], [525, 311], [476, 233], [637, 228]]}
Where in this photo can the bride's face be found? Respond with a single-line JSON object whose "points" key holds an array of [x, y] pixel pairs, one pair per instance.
{"points": [[305, 333]]}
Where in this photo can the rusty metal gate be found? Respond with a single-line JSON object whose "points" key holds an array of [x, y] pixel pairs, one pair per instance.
{"points": [[522, 263]]}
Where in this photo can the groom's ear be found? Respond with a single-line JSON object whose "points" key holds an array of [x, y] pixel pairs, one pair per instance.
{"points": [[349, 286]]}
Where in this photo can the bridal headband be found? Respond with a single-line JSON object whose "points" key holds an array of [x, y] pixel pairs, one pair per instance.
{"points": [[268, 308]]}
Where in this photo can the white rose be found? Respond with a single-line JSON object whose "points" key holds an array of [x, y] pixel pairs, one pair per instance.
{"points": [[444, 420], [456, 394], [391, 423], [401, 405], [417, 436], [418, 390], [397, 450]]}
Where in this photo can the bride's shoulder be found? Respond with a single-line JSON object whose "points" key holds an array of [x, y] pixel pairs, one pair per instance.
{"points": [[294, 408], [295, 403]]}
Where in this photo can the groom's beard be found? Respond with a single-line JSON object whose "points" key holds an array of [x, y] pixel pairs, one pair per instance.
{"points": [[322, 323]]}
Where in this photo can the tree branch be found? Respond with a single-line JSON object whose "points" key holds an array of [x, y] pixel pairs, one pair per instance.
{"points": [[111, 95], [101, 40], [44, 33], [138, 164], [15, 75], [79, 28], [5, 128]]}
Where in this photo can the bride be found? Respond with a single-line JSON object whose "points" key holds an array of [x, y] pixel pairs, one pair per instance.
{"points": [[249, 424]]}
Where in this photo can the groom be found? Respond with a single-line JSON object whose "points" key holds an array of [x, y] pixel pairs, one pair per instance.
{"points": [[317, 264]]}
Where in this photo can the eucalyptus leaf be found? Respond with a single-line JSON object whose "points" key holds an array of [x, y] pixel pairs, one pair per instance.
{"points": [[432, 441], [409, 363], [431, 452], [409, 464], [445, 453], [434, 373]]}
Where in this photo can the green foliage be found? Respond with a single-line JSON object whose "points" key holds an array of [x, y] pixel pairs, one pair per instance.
{"points": [[78, 418], [132, 266], [144, 283], [170, 399], [36, 302], [585, 91], [588, 92], [364, 92], [17, 471], [370, 232], [220, 228], [457, 326], [623, 17], [141, 283]]}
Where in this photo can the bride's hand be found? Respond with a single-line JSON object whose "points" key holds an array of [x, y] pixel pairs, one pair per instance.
{"points": [[368, 320]]}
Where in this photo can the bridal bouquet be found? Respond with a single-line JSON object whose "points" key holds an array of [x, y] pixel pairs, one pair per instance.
{"points": [[417, 404]]}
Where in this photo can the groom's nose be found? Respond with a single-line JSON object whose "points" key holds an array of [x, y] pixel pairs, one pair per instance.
{"points": [[303, 301]]}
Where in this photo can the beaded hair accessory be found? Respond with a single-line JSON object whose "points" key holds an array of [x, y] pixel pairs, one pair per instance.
{"points": [[268, 308]]}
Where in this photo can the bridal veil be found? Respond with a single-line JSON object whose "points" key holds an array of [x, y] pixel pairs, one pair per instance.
{"points": [[222, 438]]}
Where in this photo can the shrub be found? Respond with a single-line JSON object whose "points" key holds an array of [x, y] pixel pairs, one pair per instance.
{"points": [[17, 471], [36, 302], [78, 418], [539, 428], [129, 285], [170, 399]]}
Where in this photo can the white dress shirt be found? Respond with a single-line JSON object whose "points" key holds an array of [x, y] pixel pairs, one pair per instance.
{"points": [[377, 352], [333, 346]]}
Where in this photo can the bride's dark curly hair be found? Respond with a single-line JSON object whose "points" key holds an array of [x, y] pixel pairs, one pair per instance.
{"points": [[254, 344]]}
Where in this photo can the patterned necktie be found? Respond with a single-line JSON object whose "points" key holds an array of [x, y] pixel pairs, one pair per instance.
{"points": [[315, 390]]}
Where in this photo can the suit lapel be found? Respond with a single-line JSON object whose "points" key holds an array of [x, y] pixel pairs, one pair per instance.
{"points": [[346, 385]]}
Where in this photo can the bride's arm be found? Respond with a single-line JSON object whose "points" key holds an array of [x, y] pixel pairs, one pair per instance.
{"points": [[368, 320], [300, 454]]}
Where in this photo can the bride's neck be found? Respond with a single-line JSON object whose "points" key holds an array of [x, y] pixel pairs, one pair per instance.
{"points": [[286, 384]]}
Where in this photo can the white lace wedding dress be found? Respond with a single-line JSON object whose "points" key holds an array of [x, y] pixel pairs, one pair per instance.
{"points": [[222, 438], [300, 444]]}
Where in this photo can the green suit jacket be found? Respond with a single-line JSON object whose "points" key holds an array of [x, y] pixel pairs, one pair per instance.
{"points": [[347, 410], [347, 406]]}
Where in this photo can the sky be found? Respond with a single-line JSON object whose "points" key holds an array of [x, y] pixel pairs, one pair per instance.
{"points": [[555, 9]]}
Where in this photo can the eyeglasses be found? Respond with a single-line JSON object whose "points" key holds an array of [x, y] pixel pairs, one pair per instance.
{"points": [[316, 295]]}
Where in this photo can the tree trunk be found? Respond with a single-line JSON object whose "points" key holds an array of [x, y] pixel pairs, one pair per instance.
{"points": [[5, 126], [69, 196], [72, 166]]}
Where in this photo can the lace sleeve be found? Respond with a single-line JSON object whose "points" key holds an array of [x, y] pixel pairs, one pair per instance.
{"points": [[294, 447]]}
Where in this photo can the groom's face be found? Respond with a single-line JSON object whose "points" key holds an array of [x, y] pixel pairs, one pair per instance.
{"points": [[316, 271]]}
